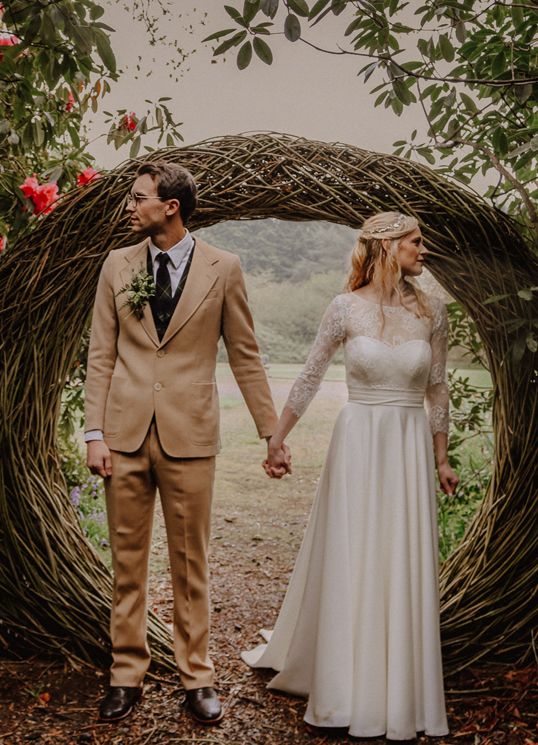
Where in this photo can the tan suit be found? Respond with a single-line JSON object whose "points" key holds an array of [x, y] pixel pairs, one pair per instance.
{"points": [[157, 405]]}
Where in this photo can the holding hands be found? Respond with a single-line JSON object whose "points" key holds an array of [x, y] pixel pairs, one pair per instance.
{"points": [[278, 461]]}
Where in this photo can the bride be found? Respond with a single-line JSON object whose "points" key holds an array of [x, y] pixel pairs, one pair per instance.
{"points": [[358, 632]]}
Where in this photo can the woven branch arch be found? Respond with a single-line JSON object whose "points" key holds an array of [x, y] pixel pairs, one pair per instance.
{"points": [[54, 592]]}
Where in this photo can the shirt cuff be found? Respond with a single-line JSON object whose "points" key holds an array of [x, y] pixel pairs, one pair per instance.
{"points": [[93, 434]]}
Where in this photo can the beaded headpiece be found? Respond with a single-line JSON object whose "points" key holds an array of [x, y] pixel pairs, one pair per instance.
{"points": [[393, 226]]}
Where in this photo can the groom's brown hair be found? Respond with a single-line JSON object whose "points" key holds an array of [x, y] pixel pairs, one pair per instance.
{"points": [[173, 182]]}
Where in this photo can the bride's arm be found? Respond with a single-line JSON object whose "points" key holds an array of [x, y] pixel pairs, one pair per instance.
{"points": [[437, 399], [330, 335]]}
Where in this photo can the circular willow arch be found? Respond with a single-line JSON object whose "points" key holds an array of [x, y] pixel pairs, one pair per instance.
{"points": [[54, 592]]}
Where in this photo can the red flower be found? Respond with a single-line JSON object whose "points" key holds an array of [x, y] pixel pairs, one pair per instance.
{"points": [[70, 101], [89, 174], [9, 40], [129, 122], [44, 697], [42, 195], [2, 243], [29, 186]]}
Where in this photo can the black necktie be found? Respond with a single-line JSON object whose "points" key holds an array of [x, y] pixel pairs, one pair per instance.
{"points": [[163, 293]]}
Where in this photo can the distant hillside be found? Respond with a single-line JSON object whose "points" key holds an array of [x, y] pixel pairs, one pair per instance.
{"points": [[282, 250]]}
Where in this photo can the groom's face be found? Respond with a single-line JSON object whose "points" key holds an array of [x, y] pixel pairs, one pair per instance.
{"points": [[146, 209]]}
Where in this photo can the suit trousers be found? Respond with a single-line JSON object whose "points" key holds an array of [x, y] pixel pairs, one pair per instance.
{"points": [[186, 488]]}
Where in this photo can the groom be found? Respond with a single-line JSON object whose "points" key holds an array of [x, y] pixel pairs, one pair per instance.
{"points": [[152, 421]]}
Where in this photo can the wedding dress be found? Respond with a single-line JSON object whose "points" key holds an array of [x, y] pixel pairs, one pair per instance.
{"points": [[358, 632]]}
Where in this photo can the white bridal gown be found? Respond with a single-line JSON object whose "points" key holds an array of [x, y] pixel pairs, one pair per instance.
{"points": [[358, 632]]}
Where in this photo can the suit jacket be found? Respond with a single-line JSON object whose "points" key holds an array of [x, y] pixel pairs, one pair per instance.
{"points": [[132, 377]]}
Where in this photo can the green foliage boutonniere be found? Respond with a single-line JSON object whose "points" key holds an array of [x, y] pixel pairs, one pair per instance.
{"points": [[138, 292]]}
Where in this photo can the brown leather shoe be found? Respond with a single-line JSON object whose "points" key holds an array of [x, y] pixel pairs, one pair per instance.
{"points": [[204, 705], [118, 703]]}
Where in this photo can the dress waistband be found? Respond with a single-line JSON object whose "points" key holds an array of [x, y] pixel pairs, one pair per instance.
{"points": [[385, 396]]}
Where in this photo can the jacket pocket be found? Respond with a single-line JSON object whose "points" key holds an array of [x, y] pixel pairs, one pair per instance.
{"points": [[204, 409]]}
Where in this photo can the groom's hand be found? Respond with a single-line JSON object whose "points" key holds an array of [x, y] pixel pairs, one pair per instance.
{"points": [[98, 458], [278, 461]]}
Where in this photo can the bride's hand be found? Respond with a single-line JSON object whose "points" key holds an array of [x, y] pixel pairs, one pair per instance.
{"points": [[278, 461], [447, 478]]}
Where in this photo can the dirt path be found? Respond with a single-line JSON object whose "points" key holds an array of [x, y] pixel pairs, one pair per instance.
{"points": [[257, 529]]}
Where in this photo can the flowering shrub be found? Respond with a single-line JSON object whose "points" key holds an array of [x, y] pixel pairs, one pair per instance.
{"points": [[70, 101], [89, 174], [43, 196], [129, 122]]}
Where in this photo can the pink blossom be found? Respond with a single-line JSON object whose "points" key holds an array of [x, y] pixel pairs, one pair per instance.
{"points": [[70, 101], [87, 175], [29, 186], [9, 40], [129, 122], [42, 195], [2, 243]]}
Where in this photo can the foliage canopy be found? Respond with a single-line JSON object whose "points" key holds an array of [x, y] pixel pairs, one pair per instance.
{"points": [[469, 65]]}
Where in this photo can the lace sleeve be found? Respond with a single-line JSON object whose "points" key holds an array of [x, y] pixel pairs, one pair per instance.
{"points": [[330, 334], [437, 388]]}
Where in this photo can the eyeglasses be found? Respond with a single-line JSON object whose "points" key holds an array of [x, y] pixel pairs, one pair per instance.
{"points": [[137, 198]]}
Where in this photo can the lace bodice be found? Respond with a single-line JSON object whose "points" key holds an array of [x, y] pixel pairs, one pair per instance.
{"points": [[383, 349]]}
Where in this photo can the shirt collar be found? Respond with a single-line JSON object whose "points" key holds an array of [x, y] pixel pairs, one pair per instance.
{"points": [[177, 253]]}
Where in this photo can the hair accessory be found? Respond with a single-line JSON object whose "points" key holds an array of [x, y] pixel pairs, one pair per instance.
{"points": [[392, 226]]}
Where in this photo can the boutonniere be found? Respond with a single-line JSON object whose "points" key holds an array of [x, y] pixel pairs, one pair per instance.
{"points": [[138, 292]]}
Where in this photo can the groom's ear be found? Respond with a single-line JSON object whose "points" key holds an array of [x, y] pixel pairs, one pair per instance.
{"points": [[172, 206]]}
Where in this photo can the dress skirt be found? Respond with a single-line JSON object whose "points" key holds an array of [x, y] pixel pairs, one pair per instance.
{"points": [[358, 632]]}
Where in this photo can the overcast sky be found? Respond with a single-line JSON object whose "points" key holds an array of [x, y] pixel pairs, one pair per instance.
{"points": [[304, 92]]}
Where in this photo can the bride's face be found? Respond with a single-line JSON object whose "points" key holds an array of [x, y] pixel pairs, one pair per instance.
{"points": [[411, 253]]}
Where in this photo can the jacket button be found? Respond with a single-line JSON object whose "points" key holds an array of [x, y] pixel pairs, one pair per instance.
{"points": [[161, 353], [157, 386]]}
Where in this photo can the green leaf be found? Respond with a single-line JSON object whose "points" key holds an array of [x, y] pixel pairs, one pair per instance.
{"points": [[317, 8], [499, 64], [135, 147], [263, 50], [250, 8], [401, 91], [269, 8], [105, 50], [447, 50], [218, 34], [523, 92], [337, 6], [518, 16], [229, 43], [461, 31], [468, 103], [500, 141], [300, 7], [244, 55], [292, 27], [235, 14], [96, 11]]}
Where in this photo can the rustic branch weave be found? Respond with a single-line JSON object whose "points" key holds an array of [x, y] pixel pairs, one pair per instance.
{"points": [[54, 592]]}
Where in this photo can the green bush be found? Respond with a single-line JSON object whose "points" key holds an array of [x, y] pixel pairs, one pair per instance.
{"points": [[87, 495]]}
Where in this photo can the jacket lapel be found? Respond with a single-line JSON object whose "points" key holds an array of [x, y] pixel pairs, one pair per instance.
{"points": [[202, 277], [134, 264]]}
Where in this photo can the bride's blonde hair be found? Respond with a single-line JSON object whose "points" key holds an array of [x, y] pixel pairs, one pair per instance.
{"points": [[373, 260]]}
